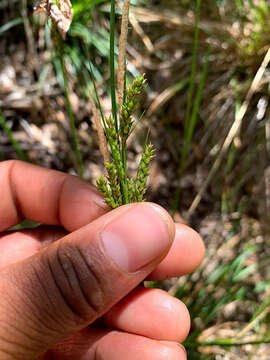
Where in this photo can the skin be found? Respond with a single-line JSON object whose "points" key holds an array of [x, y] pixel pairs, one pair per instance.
{"points": [[68, 292]]}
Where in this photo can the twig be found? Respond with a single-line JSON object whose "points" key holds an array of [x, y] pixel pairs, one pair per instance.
{"points": [[165, 96], [112, 65], [139, 30], [232, 133], [122, 53], [253, 323], [32, 58]]}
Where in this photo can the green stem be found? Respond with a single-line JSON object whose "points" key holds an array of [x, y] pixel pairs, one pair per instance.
{"points": [[194, 62], [92, 77], [124, 162], [123, 181], [225, 342], [125, 192], [13, 141], [124, 156], [69, 108], [188, 123], [97, 97], [112, 65]]}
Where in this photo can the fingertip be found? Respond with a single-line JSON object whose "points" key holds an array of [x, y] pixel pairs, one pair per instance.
{"points": [[177, 349], [192, 246], [166, 218], [152, 307], [134, 347], [185, 255]]}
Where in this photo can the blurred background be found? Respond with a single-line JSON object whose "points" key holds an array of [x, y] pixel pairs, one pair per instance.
{"points": [[207, 108]]}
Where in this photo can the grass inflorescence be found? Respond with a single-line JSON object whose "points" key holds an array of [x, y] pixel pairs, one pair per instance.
{"points": [[117, 188]]}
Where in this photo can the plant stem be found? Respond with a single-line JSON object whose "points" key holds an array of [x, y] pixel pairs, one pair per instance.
{"points": [[94, 85], [122, 53], [123, 179], [225, 342], [190, 130], [112, 65], [102, 141], [188, 126], [124, 162], [121, 73], [194, 62], [68, 104], [124, 155]]}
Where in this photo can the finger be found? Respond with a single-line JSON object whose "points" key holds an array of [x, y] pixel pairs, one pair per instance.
{"points": [[19, 245], [152, 313], [185, 255], [93, 344], [70, 284], [46, 196]]}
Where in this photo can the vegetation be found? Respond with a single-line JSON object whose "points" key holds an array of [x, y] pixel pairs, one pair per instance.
{"points": [[207, 105]]}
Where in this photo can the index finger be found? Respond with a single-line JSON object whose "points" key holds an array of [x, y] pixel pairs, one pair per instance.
{"points": [[46, 196]]}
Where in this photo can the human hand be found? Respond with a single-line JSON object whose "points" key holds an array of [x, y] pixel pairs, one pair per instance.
{"points": [[78, 298]]}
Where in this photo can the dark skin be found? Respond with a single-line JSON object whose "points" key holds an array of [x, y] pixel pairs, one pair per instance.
{"points": [[70, 289]]}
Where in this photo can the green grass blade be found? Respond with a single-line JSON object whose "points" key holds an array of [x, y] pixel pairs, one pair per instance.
{"points": [[225, 342], [188, 124], [194, 62], [10, 25], [92, 77], [78, 155]]}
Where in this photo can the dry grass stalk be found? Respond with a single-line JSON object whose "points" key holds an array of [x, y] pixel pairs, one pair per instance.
{"points": [[32, 58], [139, 30], [100, 131], [233, 131], [164, 97], [253, 323], [122, 52]]}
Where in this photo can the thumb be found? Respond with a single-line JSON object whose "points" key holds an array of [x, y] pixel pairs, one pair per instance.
{"points": [[67, 286]]}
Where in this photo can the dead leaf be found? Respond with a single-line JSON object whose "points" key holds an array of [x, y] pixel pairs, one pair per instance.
{"points": [[61, 14]]}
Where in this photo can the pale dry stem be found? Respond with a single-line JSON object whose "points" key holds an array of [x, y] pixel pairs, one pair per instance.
{"points": [[139, 30], [234, 130], [122, 53]]}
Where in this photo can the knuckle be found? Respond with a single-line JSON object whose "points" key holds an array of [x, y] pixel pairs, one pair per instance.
{"points": [[78, 280]]}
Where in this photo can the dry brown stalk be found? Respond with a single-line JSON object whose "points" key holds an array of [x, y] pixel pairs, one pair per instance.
{"points": [[32, 58], [122, 53], [233, 131], [139, 30], [102, 142], [253, 323]]}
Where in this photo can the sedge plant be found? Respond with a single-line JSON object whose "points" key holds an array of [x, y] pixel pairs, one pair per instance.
{"points": [[118, 189], [113, 132]]}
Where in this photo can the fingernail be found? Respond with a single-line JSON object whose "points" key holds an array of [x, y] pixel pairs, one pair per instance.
{"points": [[136, 238]]}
